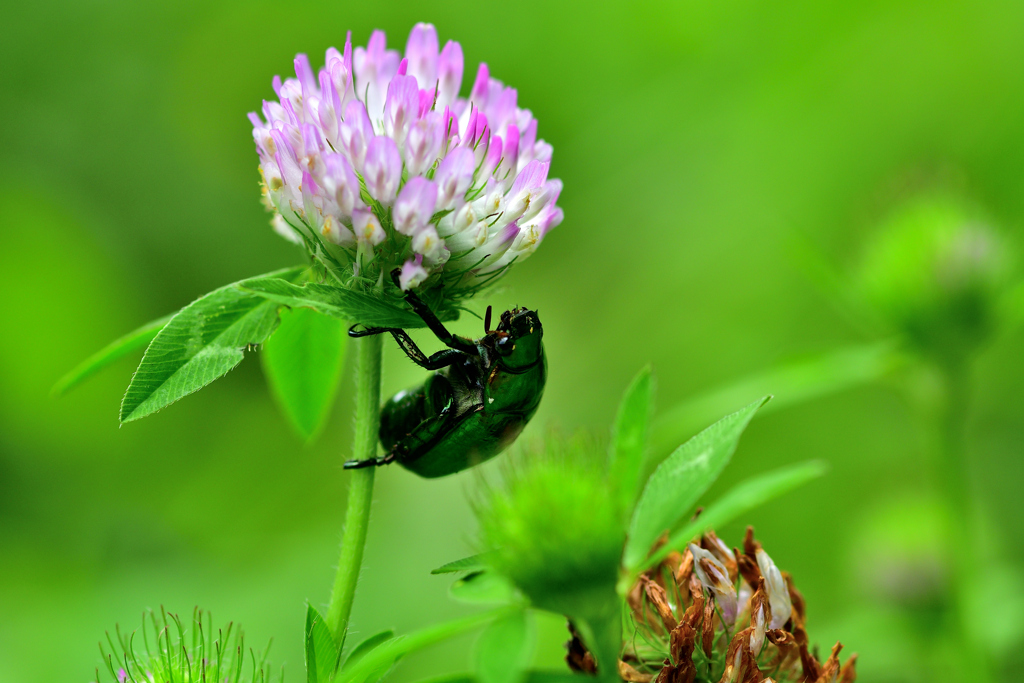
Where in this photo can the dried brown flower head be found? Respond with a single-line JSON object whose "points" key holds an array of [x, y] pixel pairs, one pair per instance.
{"points": [[714, 615]]}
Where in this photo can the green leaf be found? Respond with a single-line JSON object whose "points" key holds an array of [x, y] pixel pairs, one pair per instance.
{"points": [[504, 649], [372, 310], [201, 343], [388, 653], [450, 678], [367, 645], [115, 350], [630, 437], [364, 648], [466, 564], [321, 651], [791, 384], [834, 284], [484, 587], [302, 362], [745, 496], [530, 676], [556, 676], [677, 483], [381, 670]]}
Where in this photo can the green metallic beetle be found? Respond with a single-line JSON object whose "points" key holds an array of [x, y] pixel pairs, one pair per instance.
{"points": [[476, 403]]}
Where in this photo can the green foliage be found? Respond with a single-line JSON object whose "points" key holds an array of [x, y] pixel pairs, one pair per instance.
{"points": [[529, 676], [676, 485], [936, 272], [630, 437], [466, 564], [541, 676], [363, 649], [302, 362], [1011, 307], [367, 645], [322, 654], [891, 87], [201, 343], [450, 678], [115, 350], [505, 648], [559, 523], [377, 661], [370, 309], [164, 650], [790, 384], [742, 498], [485, 588]]}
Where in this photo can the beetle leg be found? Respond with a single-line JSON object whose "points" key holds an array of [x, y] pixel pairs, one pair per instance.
{"points": [[366, 331], [369, 462], [441, 359], [435, 325]]}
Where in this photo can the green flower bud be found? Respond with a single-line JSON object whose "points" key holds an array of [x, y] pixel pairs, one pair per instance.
{"points": [[934, 273], [165, 650], [557, 527], [558, 531]]}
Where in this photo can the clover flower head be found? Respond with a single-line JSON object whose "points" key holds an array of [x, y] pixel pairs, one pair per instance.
{"points": [[375, 162]]}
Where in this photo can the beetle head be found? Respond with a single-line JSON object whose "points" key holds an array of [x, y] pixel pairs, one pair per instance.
{"points": [[519, 337]]}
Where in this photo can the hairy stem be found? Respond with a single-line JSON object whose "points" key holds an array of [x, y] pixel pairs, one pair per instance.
{"points": [[360, 492], [954, 479]]}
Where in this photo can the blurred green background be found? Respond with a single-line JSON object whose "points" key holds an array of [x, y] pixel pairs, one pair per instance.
{"points": [[694, 139]]}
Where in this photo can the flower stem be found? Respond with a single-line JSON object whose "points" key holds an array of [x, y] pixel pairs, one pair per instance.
{"points": [[954, 479], [360, 492]]}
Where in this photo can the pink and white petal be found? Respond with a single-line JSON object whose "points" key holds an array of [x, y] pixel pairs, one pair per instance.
{"points": [[427, 242], [382, 170], [401, 107], [356, 133], [367, 227], [449, 74], [414, 206], [413, 274], [421, 51], [454, 176]]}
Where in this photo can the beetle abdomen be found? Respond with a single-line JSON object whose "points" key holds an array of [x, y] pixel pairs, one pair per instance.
{"points": [[400, 415], [475, 438], [406, 410]]}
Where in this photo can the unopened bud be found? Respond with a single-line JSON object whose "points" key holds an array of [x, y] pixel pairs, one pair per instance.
{"points": [[714, 576], [778, 592]]}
